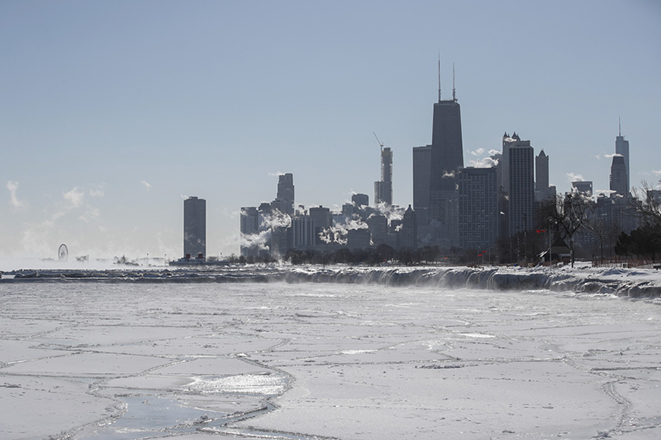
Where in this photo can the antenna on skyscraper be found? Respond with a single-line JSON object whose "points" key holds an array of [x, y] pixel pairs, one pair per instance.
{"points": [[619, 126], [439, 76], [454, 91]]}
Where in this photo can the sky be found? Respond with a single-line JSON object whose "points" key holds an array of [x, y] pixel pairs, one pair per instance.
{"points": [[112, 113]]}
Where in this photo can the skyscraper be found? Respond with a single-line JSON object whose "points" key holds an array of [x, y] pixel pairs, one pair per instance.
{"points": [[383, 188], [478, 208], [409, 231], [195, 227], [618, 177], [541, 176], [249, 230], [285, 197], [421, 176], [447, 157], [508, 142], [622, 148], [521, 187]]}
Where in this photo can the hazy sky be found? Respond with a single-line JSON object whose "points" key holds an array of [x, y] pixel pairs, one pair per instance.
{"points": [[112, 112]]}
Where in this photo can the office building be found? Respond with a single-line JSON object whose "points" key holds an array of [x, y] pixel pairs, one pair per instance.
{"points": [[360, 200], [478, 208], [358, 239], [408, 234], [622, 148], [421, 177], [383, 188], [542, 176], [583, 186], [195, 227], [284, 201], [521, 185], [446, 157], [303, 232], [435, 202], [378, 227], [618, 177]]}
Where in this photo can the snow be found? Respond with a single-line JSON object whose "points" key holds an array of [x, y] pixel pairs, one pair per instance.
{"points": [[369, 354]]}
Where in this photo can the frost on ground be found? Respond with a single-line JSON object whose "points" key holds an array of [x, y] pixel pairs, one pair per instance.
{"points": [[95, 360]]}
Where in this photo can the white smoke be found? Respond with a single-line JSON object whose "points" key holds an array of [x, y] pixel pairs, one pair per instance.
{"points": [[389, 211], [267, 222], [146, 184], [485, 162]]}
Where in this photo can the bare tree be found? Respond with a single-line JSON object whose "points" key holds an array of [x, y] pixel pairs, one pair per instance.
{"points": [[646, 204], [567, 214]]}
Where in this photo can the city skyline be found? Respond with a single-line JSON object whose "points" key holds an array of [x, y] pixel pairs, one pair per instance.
{"points": [[104, 133]]}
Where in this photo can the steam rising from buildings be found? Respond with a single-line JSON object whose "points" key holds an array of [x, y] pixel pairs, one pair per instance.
{"points": [[277, 227]]}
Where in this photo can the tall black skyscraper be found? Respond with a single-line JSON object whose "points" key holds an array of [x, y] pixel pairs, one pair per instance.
{"points": [[521, 187], [447, 153], [447, 157], [195, 227]]}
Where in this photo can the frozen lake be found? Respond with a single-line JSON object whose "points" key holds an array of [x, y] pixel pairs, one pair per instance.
{"points": [[318, 360]]}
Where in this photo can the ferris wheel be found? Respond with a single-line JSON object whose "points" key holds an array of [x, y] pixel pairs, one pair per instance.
{"points": [[63, 253]]}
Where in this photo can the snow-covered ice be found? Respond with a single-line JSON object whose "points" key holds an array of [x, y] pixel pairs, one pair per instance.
{"points": [[363, 357]]}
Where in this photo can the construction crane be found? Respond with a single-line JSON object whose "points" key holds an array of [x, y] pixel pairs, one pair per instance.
{"points": [[377, 139]]}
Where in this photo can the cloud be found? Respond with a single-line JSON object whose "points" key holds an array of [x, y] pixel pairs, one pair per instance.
{"points": [[278, 173], [74, 197], [610, 156], [147, 185], [657, 172], [13, 199], [97, 192], [478, 152], [575, 177], [90, 214]]}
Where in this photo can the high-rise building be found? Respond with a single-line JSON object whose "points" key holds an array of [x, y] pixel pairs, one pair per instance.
{"points": [[622, 148], [409, 232], [195, 227], [478, 208], [508, 142], [583, 187], [541, 176], [618, 178], [421, 177], [303, 233], [249, 219], [383, 188], [284, 201], [378, 227], [446, 157], [360, 200], [521, 187]]}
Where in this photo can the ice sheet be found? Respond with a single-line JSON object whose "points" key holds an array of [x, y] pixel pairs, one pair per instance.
{"points": [[301, 361]]}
